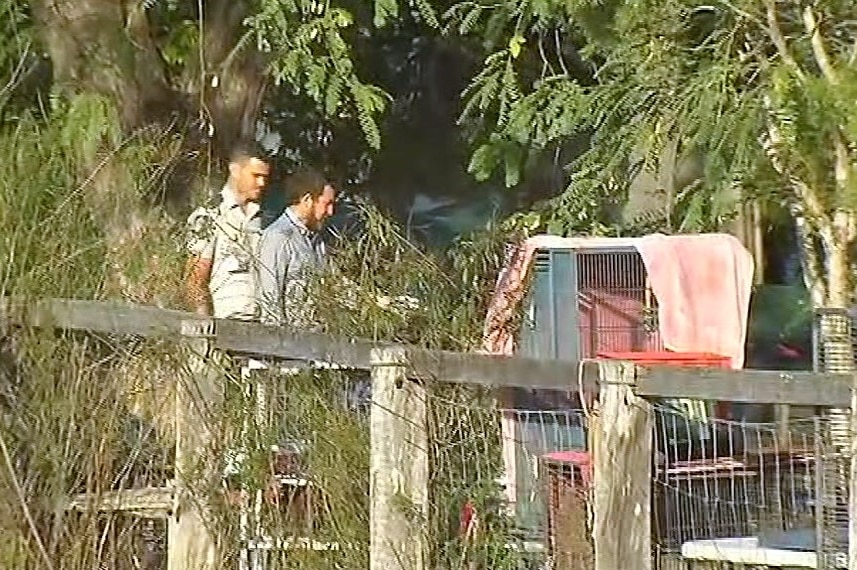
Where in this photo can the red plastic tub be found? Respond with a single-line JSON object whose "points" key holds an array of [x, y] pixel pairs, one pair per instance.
{"points": [[669, 358], [722, 410]]}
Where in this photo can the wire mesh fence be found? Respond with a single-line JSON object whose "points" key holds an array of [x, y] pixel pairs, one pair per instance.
{"points": [[734, 486], [834, 343], [491, 469], [497, 469], [618, 311], [834, 340], [508, 487], [89, 425]]}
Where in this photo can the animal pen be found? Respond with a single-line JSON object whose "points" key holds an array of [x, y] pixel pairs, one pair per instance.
{"points": [[317, 470]]}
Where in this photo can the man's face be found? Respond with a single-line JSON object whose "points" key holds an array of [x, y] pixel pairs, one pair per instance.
{"points": [[249, 178], [320, 208]]}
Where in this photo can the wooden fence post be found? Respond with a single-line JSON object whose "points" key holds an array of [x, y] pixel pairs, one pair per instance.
{"points": [[190, 542], [622, 472], [398, 482]]}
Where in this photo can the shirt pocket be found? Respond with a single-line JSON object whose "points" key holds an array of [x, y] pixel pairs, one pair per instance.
{"points": [[232, 264]]}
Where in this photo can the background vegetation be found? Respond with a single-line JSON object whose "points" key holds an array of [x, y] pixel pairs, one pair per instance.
{"points": [[583, 116]]}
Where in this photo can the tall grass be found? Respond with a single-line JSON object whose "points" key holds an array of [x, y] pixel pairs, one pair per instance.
{"points": [[80, 217], [49, 242]]}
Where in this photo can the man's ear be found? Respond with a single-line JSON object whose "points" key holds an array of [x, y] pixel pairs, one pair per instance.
{"points": [[234, 169]]}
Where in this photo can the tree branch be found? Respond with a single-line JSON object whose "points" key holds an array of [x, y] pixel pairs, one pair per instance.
{"points": [[818, 50], [234, 103], [812, 205], [776, 35], [810, 260], [843, 221]]}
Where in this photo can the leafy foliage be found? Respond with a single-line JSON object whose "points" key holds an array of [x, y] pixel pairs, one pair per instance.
{"points": [[758, 90], [308, 47]]}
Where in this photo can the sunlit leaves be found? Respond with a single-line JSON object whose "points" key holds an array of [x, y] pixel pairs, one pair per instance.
{"points": [[370, 101], [516, 43], [664, 71], [182, 43], [385, 10]]}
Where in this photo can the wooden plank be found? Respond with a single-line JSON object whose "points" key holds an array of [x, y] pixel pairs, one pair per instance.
{"points": [[154, 502], [399, 466], [622, 473], [752, 386], [199, 393], [278, 342], [782, 413], [501, 371], [454, 367], [300, 543], [108, 317]]}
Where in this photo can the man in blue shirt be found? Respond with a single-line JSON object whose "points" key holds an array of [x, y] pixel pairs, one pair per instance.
{"points": [[291, 251]]}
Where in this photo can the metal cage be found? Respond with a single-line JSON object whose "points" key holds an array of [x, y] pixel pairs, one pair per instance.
{"points": [[586, 301]]}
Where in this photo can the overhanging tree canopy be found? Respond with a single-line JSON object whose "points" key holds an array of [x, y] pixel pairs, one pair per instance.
{"points": [[764, 91]]}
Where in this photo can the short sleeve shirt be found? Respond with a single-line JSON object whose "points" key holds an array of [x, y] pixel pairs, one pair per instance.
{"points": [[229, 237]]}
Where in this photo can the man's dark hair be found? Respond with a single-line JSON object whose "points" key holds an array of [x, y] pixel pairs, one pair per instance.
{"points": [[245, 150], [302, 182]]}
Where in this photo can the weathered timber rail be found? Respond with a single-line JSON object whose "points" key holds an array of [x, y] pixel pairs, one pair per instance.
{"points": [[756, 386], [150, 502]]}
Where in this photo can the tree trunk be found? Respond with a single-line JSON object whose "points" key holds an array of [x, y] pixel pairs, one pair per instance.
{"points": [[240, 72], [106, 47], [838, 283]]}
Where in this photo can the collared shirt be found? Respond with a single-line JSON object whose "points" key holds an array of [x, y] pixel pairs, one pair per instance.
{"points": [[290, 254], [229, 236]]}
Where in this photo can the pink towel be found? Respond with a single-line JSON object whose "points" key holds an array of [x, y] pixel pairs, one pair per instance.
{"points": [[703, 285]]}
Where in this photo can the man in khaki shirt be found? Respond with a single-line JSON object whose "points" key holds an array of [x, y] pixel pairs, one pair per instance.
{"points": [[223, 241]]}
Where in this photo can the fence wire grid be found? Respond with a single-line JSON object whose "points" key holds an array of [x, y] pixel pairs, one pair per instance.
{"points": [[491, 468], [725, 485], [509, 479]]}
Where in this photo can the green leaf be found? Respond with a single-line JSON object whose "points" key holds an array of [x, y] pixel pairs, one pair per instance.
{"points": [[512, 158], [182, 43], [427, 12], [341, 18], [385, 10], [369, 102], [333, 95], [484, 161], [531, 221], [469, 22], [515, 45]]}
